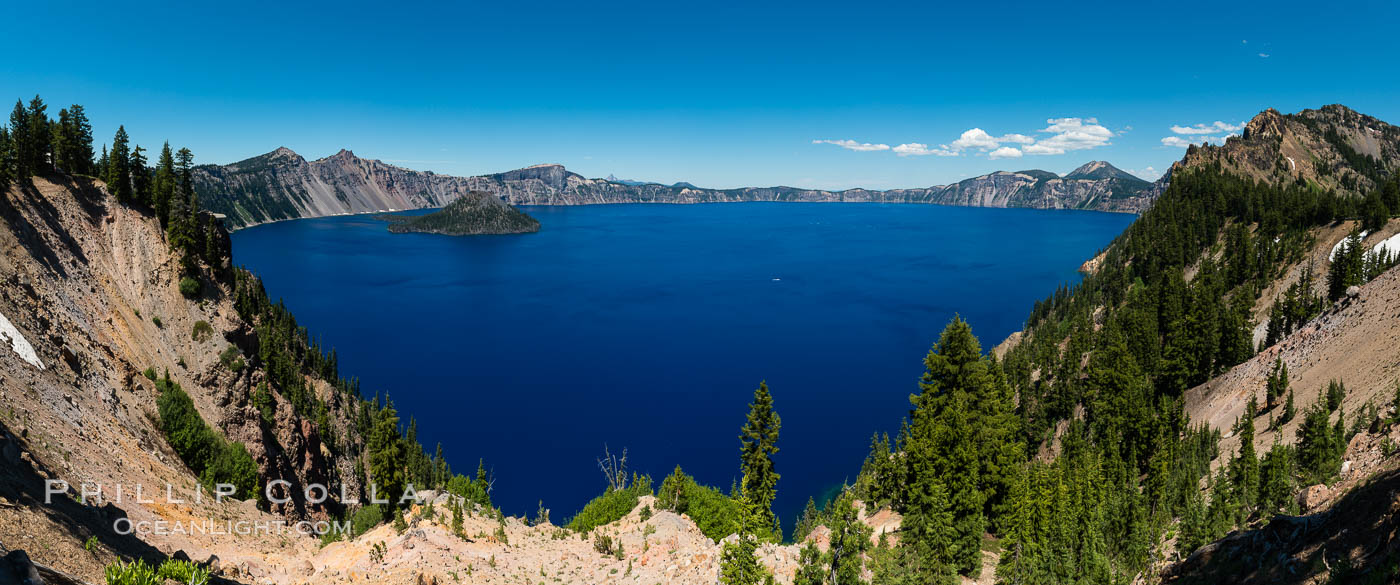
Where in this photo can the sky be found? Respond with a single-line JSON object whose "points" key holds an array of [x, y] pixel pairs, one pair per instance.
{"points": [[810, 94]]}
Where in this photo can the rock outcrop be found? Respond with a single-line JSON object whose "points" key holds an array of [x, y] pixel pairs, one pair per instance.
{"points": [[1333, 147]]}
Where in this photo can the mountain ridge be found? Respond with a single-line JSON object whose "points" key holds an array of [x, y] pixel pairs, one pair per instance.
{"points": [[282, 184]]}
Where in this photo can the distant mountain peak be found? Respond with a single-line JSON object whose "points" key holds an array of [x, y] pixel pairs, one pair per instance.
{"points": [[1098, 169]]}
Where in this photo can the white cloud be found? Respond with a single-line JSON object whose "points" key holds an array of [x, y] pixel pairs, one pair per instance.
{"points": [[1147, 173], [1180, 142], [1264, 55], [1071, 134], [1211, 128], [853, 145], [1016, 139], [1004, 152], [918, 149], [974, 138]]}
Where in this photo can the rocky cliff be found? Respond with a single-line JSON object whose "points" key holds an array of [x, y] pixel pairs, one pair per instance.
{"points": [[283, 185], [1332, 147]]}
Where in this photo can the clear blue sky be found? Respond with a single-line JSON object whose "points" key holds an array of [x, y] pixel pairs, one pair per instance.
{"points": [[716, 95]]}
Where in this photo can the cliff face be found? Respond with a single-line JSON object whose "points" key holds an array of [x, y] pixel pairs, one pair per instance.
{"points": [[1333, 147], [283, 185]]}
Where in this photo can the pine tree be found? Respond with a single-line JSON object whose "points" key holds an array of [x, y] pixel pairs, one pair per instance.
{"points": [[806, 522], [119, 167], [40, 138], [79, 142], [850, 539], [758, 440], [20, 137], [62, 136], [7, 159], [386, 459], [810, 569], [1244, 469], [739, 563], [927, 531], [1276, 385], [141, 179], [1348, 266], [164, 187]]}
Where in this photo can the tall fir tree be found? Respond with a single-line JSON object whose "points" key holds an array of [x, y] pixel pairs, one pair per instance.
{"points": [[386, 459], [79, 153], [163, 190], [20, 138], [7, 159], [140, 177], [40, 138], [739, 563], [758, 441], [119, 167]]}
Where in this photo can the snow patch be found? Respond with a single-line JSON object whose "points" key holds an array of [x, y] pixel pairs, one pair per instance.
{"points": [[1338, 246], [1389, 245], [18, 343]]}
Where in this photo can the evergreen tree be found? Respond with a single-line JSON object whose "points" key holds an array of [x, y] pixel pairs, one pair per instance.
{"points": [[927, 531], [119, 167], [850, 539], [20, 137], [739, 563], [806, 522], [40, 138], [78, 144], [1348, 267], [386, 460], [1244, 469], [1276, 384], [140, 177], [164, 187], [1319, 447], [758, 440], [810, 570], [7, 159]]}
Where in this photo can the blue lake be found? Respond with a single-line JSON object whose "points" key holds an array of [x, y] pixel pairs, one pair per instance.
{"points": [[647, 327]]}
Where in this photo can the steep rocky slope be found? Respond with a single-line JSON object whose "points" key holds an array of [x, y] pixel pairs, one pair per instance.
{"points": [[92, 287], [283, 185], [1333, 147]]}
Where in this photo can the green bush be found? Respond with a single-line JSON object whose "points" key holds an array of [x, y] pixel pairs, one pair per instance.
{"points": [[202, 331], [232, 359], [156, 320], [183, 572], [189, 287], [212, 458], [262, 400], [134, 573], [150, 374], [716, 514], [609, 507], [365, 519]]}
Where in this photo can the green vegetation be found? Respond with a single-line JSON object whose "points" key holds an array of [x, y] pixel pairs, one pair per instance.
{"points": [[611, 506], [211, 458], [201, 331], [473, 214], [716, 514], [189, 287], [739, 563], [758, 441], [139, 573], [232, 359]]}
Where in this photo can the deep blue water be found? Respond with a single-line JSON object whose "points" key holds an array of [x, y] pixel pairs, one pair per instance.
{"points": [[649, 326]]}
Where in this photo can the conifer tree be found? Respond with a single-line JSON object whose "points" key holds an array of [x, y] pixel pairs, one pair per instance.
{"points": [[386, 459], [40, 137], [7, 159], [141, 178], [164, 187], [119, 167], [758, 440], [20, 137], [850, 539], [79, 142], [739, 563]]}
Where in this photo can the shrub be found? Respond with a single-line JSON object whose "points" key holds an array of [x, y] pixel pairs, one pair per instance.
{"points": [[206, 453], [602, 543], [716, 514], [609, 507], [1336, 391], [232, 359], [134, 573], [150, 374], [183, 572], [157, 321], [365, 519], [202, 331], [189, 287]]}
